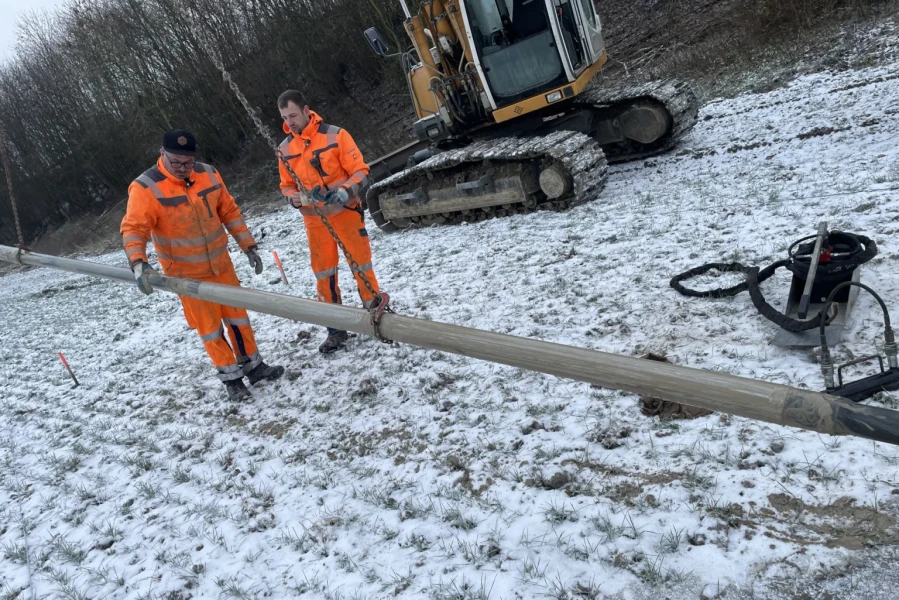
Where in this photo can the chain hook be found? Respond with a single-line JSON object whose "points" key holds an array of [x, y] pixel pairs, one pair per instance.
{"points": [[380, 305]]}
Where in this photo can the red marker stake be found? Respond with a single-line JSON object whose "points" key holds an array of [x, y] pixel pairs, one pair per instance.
{"points": [[280, 267], [65, 363]]}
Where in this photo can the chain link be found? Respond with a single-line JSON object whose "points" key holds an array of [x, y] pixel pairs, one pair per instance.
{"points": [[263, 132], [12, 195]]}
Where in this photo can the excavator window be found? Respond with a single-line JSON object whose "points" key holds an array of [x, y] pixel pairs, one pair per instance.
{"points": [[570, 34], [516, 47], [589, 11]]}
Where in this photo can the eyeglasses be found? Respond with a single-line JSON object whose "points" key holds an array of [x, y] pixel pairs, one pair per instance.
{"points": [[181, 165]]}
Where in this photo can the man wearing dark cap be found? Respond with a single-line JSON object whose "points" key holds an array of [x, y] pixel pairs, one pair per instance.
{"points": [[182, 205]]}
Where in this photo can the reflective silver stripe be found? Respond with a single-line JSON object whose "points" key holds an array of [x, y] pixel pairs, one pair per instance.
{"points": [[145, 181], [289, 190], [243, 235], [149, 180], [235, 223], [362, 268], [285, 143], [132, 252], [154, 174], [338, 184], [203, 168], [351, 184], [248, 363], [330, 132], [230, 373], [211, 337], [326, 274], [186, 242], [150, 185], [192, 258], [133, 238], [356, 186], [240, 321]]}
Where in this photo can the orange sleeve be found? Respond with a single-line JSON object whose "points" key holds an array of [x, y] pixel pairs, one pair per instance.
{"points": [[140, 219], [230, 216], [288, 186], [352, 162]]}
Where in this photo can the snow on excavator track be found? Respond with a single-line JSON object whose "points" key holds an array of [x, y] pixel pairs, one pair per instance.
{"points": [[489, 178], [676, 96], [503, 176]]}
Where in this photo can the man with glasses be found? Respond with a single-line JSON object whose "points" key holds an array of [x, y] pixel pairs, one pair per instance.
{"points": [[182, 205]]}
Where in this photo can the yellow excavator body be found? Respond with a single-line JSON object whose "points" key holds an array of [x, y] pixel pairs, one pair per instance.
{"points": [[493, 80]]}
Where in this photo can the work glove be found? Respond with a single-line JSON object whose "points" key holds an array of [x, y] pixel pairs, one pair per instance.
{"points": [[254, 259], [317, 194], [298, 200], [338, 196], [142, 272]]}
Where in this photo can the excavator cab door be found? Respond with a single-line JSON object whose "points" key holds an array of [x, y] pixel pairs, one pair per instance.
{"points": [[571, 34], [592, 28]]}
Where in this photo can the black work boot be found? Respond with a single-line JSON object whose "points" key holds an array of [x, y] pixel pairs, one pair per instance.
{"points": [[237, 391], [335, 341], [264, 372]]}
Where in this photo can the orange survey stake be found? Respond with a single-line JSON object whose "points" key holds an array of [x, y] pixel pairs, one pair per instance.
{"points": [[65, 363], [280, 267]]}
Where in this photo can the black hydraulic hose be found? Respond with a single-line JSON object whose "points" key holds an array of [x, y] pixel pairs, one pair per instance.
{"points": [[888, 330], [754, 277], [734, 267], [836, 268], [836, 239], [774, 315]]}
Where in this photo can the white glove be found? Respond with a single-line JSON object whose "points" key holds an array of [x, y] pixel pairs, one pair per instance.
{"points": [[142, 272]]}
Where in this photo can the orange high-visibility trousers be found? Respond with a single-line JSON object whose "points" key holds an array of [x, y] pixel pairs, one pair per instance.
{"points": [[349, 225], [211, 320]]}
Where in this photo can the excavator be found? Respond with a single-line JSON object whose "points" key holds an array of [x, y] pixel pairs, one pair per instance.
{"points": [[510, 115]]}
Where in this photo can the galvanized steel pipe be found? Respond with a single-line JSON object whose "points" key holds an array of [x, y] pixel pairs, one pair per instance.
{"points": [[754, 399]]}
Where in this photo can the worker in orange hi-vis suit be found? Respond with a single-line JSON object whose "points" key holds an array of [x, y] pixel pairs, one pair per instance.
{"points": [[182, 205], [331, 169]]}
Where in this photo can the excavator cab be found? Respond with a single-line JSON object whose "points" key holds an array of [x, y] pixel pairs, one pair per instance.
{"points": [[526, 47], [473, 59]]}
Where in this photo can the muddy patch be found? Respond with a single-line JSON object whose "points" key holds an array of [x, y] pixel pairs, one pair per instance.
{"points": [[820, 131], [840, 524], [276, 429]]}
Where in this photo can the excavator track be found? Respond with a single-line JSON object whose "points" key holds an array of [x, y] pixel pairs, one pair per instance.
{"points": [[489, 178], [676, 97], [502, 176]]}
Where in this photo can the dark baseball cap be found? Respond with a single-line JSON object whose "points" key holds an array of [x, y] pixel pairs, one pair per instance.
{"points": [[180, 141]]}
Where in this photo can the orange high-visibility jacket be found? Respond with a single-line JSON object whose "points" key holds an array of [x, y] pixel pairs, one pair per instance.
{"points": [[323, 155], [184, 221]]}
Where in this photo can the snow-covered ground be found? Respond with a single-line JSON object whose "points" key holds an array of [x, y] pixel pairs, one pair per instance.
{"points": [[399, 471]]}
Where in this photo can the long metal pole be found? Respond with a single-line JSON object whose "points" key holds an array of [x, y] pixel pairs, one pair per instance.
{"points": [[770, 402]]}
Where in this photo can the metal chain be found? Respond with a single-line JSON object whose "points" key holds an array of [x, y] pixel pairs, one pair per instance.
{"points": [[263, 132], [12, 195]]}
